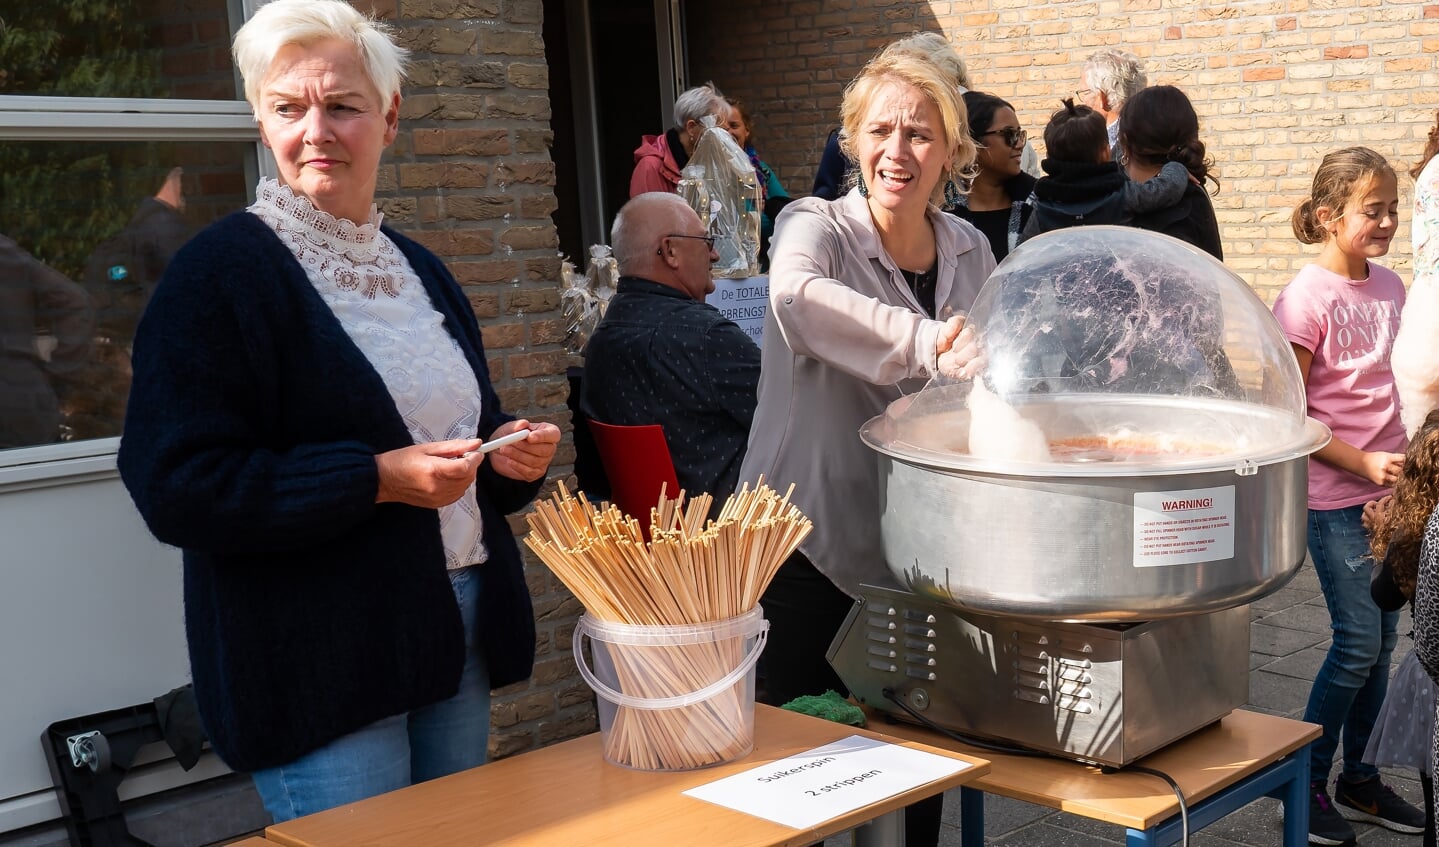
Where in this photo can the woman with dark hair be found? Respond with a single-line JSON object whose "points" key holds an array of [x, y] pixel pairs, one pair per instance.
{"points": [[1160, 126], [998, 199]]}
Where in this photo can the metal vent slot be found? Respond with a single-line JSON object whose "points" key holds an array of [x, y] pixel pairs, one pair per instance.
{"points": [[1068, 662], [879, 608], [1031, 666], [1074, 674], [921, 674], [920, 659], [1074, 689], [880, 665], [922, 617], [916, 644], [1031, 696], [1072, 704], [883, 652], [881, 623], [881, 637], [921, 631]]}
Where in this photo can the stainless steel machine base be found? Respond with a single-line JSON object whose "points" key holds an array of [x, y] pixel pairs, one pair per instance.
{"points": [[1102, 693]]}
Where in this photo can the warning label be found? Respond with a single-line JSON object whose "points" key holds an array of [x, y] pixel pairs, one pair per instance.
{"points": [[1183, 527]]}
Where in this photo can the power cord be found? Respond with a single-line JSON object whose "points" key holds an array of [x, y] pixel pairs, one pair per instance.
{"points": [[1016, 750]]}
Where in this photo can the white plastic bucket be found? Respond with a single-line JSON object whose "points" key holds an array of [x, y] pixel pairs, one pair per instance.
{"points": [[674, 697]]}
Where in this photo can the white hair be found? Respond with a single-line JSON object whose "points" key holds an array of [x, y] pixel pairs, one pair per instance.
{"points": [[304, 22], [1117, 73], [700, 101], [642, 222]]}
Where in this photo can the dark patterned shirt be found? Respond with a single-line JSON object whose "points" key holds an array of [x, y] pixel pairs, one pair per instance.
{"points": [[661, 357]]}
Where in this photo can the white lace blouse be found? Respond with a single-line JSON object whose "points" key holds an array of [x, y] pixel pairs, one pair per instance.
{"points": [[384, 308]]}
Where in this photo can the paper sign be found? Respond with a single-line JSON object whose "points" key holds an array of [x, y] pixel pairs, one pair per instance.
{"points": [[1183, 527], [827, 782], [744, 301]]}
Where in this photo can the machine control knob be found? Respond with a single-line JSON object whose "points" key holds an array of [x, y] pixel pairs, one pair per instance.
{"points": [[919, 699]]}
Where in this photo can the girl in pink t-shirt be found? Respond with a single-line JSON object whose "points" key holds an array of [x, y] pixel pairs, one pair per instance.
{"points": [[1340, 314]]}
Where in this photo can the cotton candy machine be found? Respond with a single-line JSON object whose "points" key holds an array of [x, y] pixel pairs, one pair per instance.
{"points": [[1080, 526]]}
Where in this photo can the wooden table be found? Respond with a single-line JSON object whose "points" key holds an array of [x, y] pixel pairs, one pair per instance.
{"points": [[567, 795], [1220, 769]]}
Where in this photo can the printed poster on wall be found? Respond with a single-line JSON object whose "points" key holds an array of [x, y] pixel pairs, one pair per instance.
{"points": [[1183, 527], [744, 301]]}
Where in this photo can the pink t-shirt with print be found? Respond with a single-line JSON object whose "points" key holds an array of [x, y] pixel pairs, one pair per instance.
{"points": [[1349, 325]]}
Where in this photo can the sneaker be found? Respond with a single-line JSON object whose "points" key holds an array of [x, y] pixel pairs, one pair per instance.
{"points": [[1375, 802], [1326, 825]]}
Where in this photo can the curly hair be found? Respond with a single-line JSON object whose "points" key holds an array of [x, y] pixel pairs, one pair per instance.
{"points": [[1159, 126], [1400, 531], [1431, 147]]}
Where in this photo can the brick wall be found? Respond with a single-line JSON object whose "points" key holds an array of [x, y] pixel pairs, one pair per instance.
{"points": [[1277, 83], [470, 177]]}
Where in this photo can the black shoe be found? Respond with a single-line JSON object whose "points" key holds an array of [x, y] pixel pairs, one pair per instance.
{"points": [[1326, 825], [1375, 802]]}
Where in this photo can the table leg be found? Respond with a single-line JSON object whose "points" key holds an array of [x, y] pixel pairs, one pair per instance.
{"points": [[887, 830], [971, 817], [1296, 801]]}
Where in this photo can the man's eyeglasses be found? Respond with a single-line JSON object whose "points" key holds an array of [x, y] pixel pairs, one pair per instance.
{"points": [[709, 241], [1013, 137], [1083, 93]]}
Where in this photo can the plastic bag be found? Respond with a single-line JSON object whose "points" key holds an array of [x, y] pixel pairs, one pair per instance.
{"points": [[719, 183], [584, 297]]}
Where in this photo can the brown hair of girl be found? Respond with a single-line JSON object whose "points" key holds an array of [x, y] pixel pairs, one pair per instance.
{"points": [[1342, 174]]}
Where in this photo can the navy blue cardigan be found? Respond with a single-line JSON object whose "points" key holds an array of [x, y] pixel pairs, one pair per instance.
{"points": [[250, 442]]}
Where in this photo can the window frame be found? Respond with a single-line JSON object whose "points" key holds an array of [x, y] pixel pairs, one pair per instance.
{"points": [[44, 118]]}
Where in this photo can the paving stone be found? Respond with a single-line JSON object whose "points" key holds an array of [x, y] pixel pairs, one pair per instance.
{"points": [[1303, 665], [1281, 599], [1053, 836], [1304, 616], [1280, 694], [1280, 640]]}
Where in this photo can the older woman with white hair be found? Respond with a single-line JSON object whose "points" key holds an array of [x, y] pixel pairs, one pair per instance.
{"points": [[659, 158], [308, 422]]}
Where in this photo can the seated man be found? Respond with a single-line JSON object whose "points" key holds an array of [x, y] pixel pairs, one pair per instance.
{"points": [[663, 356]]}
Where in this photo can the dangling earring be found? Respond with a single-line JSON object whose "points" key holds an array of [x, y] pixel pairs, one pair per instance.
{"points": [[863, 189], [951, 193]]}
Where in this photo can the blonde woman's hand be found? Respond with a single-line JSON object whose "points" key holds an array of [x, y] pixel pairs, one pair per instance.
{"points": [[529, 459], [957, 350], [428, 475]]}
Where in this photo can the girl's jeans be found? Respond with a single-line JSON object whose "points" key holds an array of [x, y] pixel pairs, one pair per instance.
{"points": [[428, 742], [1349, 689]]}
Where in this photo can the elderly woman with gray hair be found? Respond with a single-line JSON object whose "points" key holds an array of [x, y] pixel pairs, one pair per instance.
{"points": [[308, 422], [659, 158], [1111, 77]]}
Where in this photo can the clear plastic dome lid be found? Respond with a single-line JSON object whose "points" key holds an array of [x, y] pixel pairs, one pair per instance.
{"points": [[1112, 350]]}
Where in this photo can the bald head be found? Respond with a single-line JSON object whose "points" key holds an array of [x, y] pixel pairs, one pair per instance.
{"points": [[645, 245]]}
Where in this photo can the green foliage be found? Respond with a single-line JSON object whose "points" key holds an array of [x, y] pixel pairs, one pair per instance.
{"points": [[59, 199]]}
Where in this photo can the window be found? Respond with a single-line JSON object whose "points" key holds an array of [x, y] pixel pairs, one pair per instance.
{"points": [[122, 132]]}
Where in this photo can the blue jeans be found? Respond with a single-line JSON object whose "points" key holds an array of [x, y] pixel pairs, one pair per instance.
{"points": [[1349, 689], [432, 741]]}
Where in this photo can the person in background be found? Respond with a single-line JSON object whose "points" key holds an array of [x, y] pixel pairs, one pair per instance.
{"points": [[865, 292], [1161, 126], [1110, 77], [1404, 732], [774, 197], [1086, 187], [836, 172], [1340, 314], [998, 200], [40, 308], [309, 407], [1416, 356], [661, 355], [660, 158]]}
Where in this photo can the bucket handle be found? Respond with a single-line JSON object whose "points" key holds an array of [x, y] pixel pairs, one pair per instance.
{"points": [[622, 699]]}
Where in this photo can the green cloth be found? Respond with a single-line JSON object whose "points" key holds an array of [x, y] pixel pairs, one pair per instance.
{"points": [[829, 706]]}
